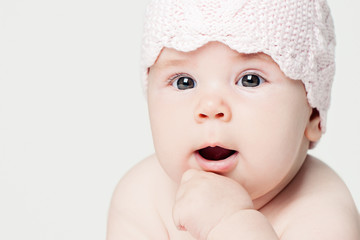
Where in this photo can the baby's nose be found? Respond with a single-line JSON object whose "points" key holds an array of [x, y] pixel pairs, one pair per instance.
{"points": [[212, 107]]}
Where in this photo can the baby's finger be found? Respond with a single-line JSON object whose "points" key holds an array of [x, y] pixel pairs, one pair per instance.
{"points": [[186, 177], [177, 217]]}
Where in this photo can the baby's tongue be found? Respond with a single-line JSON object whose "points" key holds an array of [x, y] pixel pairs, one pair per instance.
{"points": [[215, 153]]}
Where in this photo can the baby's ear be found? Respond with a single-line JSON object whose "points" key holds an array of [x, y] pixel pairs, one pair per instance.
{"points": [[313, 129]]}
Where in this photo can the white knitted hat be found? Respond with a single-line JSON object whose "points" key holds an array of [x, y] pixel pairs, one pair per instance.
{"points": [[297, 34]]}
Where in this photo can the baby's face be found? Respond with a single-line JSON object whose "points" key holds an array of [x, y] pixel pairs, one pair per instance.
{"points": [[234, 114]]}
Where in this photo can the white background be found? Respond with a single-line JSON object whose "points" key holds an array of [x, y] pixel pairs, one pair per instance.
{"points": [[73, 118]]}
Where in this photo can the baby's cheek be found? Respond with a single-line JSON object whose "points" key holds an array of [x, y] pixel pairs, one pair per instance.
{"points": [[172, 155], [172, 167]]}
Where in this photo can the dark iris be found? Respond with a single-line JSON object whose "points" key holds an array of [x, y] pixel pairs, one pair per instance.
{"points": [[184, 83], [250, 80]]}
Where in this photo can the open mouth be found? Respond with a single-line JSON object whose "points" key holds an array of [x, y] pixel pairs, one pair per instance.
{"points": [[215, 153]]}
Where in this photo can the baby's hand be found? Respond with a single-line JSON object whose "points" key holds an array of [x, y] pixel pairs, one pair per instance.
{"points": [[204, 199]]}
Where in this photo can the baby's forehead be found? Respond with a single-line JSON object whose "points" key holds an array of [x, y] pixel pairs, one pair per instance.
{"points": [[172, 57]]}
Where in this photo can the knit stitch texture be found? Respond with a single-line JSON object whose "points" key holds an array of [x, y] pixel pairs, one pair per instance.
{"points": [[297, 34]]}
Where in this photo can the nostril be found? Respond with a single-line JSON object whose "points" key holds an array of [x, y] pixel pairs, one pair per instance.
{"points": [[201, 115], [219, 115]]}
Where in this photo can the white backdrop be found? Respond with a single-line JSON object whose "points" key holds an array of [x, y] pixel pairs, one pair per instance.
{"points": [[73, 118]]}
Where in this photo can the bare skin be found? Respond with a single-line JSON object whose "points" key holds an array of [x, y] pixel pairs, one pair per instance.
{"points": [[231, 134], [143, 203]]}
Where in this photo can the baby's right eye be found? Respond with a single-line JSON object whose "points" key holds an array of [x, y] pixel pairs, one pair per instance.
{"points": [[183, 82]]}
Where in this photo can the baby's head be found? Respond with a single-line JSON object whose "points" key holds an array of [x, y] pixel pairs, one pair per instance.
{"points": [[238, 87], [297, 34]]}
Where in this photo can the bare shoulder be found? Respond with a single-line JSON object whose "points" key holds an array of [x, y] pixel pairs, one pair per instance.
{"points": [[317, 205], [133, 212]]}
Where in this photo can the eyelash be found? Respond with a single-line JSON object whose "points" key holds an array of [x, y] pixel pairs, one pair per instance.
{"points": [[251, 72], [174, 77]]}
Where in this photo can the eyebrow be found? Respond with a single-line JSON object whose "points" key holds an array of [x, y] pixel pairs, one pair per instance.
{"points": [[258, 55], [171, 63]]}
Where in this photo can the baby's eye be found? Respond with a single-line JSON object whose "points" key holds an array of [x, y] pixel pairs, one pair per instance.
{"points": [[250, 80], [184, 83]]}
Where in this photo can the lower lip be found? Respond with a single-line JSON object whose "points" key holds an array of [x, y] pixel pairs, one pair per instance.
{"points": [[220, 166]]}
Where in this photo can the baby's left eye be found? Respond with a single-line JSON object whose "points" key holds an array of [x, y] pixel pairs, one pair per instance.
{"points": [[250, 80]]}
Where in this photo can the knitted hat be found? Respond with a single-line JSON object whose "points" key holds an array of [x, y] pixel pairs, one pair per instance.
{"points": [[297, 34]]}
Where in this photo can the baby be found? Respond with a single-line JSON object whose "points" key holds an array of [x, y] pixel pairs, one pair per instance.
{"points": [[238, 91]]}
